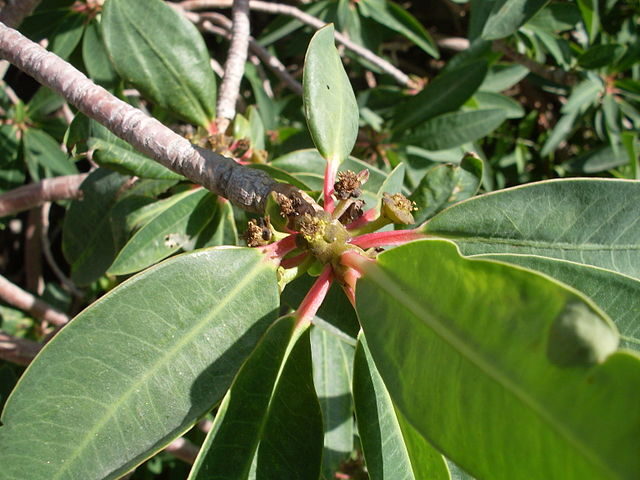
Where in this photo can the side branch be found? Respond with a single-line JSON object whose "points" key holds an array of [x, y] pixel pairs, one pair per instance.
{"points": [[36, 194], [245, 187], [14, 11], [19, 298], [291, 11], [234, 66], [17, 350]]}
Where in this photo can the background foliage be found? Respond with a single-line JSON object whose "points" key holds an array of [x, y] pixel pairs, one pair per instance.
{"points": [[537, 90]]}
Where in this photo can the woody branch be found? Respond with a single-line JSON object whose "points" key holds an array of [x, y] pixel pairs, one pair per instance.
{"points": [[244, 187]]}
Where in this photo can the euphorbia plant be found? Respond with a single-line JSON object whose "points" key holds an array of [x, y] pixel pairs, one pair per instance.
{"points": [[495, 360]]}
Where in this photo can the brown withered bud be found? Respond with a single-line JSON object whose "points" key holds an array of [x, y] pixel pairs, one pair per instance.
{"points": [[218, 142], [258, 232], [398, 208], [310, 227], [348, 184], [259, 156], [352, 213], [241, 147]]}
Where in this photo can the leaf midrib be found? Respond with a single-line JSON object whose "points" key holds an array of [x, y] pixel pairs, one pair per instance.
{"points": [[521, 242], [392, 288], [155, 367]]}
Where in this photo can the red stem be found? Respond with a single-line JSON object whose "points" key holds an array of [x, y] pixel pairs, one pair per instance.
{"points": [[327, 190], [294, 261], [390, 238], [367, 217], [315, 296], [277, 250]]}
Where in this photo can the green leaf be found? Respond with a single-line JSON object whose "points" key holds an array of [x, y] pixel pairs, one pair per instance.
{"points": [[332, 367], [398, 19], [175, 228], [119, 155], [509, 15], [139, 367], [503, 76], [468, 349], [329, 103], [161, 53], [455, 128], [391, 447], [12, 173], [42, 150], [96, 59], [221, 230], [492, 100], [444, 185], [600, 56], [556, 17], [87, 241], [43, 103], [618, 295], [445, 93], [598, 159], [590, 17], [589, 221], [270, 418]]}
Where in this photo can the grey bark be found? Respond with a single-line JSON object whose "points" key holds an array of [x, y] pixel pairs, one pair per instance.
{"points": [[244, 187]]}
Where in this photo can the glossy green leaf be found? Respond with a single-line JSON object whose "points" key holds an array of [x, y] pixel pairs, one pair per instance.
{"points": [[119, 155], [590, 17], [445, 93], [508, 15], [87, 241], [332, 370], [400, 20], [173, 229], [598, 159], [493, 100], [44, 102], [139, 367], [444, 185], [588, 221], [467, 352], [41, 150], [221, 230], [391, 447], [96, 59], [455, 128], [600, 56], [556, 17], [502, 76], [58, 23], [161, 53], [618, 295], [271, 400], [329, 102]]}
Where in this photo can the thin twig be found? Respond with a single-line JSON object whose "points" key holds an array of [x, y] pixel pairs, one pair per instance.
{"points": [[550, 73], [234, 66], [291, 11], [23, 300], [183, 449], [17, 350], [34, 194], [245, 187], [32, 253], [46, 250], [14, 11], [208, 21]]}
